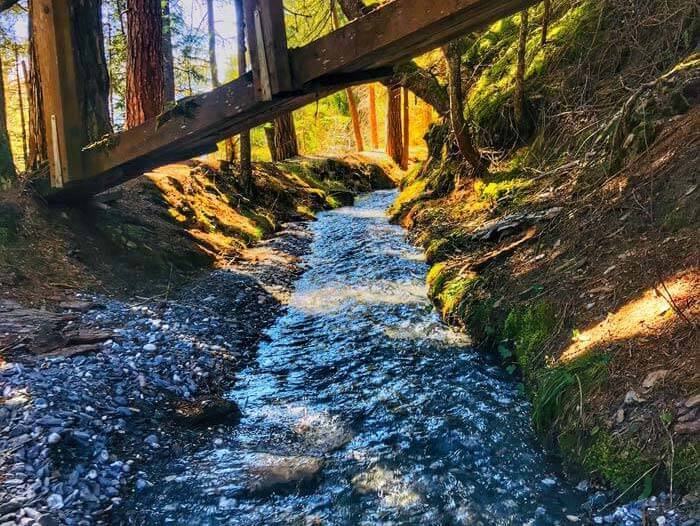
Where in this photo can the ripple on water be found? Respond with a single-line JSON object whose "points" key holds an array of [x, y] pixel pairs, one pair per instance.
{"points": [[381, 413]]}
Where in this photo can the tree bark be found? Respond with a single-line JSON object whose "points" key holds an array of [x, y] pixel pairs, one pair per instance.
{"points": [[519, 94], [211, 29], [168, 64], [246, 164], [373, 128], [37, 134], [406, 131], [20, 97], [91, 68], [355, 117], [545, 20], [460, 129], [145, 96], [8, 172], [285, 144], [394, 143]]}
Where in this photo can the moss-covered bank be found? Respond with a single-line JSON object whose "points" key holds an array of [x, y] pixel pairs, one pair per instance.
{"points": [[575, 259]]}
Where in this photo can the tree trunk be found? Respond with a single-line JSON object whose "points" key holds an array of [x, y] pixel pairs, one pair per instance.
{"points": [[20, 97], [406, 131], [37, 134], [373, 129], [168, 64], [244, 140], [211, 29], [145, 95], [7, 166], [91, 68], [519, 95], [545, 20], [355, 117], [464, 140], [394, 146], [285, 144]]}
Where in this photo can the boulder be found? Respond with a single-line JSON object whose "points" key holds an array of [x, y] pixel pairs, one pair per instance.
{"points": [[207, 411], [269, 473]]}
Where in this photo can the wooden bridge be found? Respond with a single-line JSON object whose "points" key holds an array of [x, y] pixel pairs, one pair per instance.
{"points": [[280, 80]]}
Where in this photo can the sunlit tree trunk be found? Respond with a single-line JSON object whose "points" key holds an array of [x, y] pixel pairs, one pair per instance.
{"points": [[168, 64], [20, 97], [373, 128], [519, 95], [37, 133], [211, 30], [406, 131], [145, 95], [355, 117], [7, 165], [460, 129], [285, 138], [394, 143]]}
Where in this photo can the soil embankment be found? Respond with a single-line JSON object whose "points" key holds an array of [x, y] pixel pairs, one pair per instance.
{"points": [[576, 259]]}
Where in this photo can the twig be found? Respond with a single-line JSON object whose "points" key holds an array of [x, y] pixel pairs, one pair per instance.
{"points": [[631, 486]]}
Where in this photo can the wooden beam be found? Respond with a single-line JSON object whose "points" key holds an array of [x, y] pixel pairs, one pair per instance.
{"points": [[64, 129], [360, 52], [394, 33], [267, 43]]}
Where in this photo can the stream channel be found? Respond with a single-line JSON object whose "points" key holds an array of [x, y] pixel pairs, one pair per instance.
{"points": [[368, 407]]}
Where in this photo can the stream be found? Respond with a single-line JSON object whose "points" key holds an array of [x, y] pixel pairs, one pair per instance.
{"points": [[363, 408]]}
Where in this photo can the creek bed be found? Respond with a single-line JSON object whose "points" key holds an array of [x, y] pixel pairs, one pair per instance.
{"points": [[362, 408]]}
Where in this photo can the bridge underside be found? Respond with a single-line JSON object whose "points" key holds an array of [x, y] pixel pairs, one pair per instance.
{"points": [[281, 80]]}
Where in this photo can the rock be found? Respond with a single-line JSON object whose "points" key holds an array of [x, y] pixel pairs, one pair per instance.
{"points": [[150, 347], [632, 397], [208, 411], [55, 501], [692, 401], [54, 438], [273, 472], [572, 518], [620, 416], [688, 427], [661, 520], [653, 377], [151, 440]]}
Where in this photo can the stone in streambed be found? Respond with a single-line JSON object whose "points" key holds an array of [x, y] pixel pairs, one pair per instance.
{"points": [[207, 411], [268, 473]]}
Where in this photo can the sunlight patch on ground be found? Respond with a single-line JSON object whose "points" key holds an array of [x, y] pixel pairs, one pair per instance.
{"points": [[641, 317]]}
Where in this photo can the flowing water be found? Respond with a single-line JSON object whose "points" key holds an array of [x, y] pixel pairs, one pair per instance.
{"points": [[371, 409]]}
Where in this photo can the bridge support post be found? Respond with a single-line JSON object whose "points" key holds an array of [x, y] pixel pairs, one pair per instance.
{"points": [[52, 33], [267, 42]]}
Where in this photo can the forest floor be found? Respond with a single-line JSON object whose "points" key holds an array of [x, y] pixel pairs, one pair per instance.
{"points": [[124, 324], [588, 285]]}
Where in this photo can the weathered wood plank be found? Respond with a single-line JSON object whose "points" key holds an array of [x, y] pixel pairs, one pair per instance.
{"points": [[65, 132], [267, 43], [394, 33], [358, 52]]}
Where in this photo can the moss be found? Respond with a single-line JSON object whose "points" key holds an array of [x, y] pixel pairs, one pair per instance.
{"points": [[454, 293], [617, 461], [686, 467], [528, 328], [438, 277]]}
